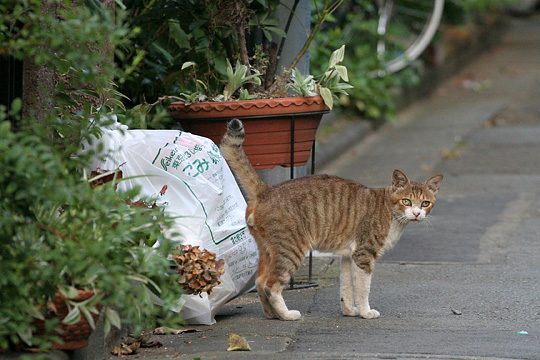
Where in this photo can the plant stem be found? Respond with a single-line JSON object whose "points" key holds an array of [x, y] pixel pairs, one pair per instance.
{"points": [[287, 26], [327, 10], [166, 97], [244, 57], [54, 231]]}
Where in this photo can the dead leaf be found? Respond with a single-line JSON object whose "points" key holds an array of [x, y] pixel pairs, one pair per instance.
{"points": [[164, 330], [199, 270], [126, 349], [100, 177], [142, 341], [453, 153], [238, 343], [151, 344]]}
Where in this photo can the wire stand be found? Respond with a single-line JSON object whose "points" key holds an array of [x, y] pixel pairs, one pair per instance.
{"points": [[309, 284]]}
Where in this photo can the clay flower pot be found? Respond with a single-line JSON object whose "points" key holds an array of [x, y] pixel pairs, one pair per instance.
{"points": [[274, 127], [73, 336]]}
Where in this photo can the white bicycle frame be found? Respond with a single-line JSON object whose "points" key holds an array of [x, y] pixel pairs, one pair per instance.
{"points": [[417, 47]]}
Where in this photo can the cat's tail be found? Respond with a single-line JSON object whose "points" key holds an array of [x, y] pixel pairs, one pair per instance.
{"points": [[232, 151]]}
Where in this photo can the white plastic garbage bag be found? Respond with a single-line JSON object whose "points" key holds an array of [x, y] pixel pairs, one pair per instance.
{"points": [[194, 184]]}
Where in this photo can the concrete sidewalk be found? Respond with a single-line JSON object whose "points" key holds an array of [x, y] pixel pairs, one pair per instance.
{"points": [[465, 287]]}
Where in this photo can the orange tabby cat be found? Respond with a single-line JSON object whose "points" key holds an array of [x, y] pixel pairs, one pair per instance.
{"points": [[324, 213]]}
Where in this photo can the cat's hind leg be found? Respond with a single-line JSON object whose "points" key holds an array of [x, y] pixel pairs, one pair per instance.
{"points": [[284, 263], [346, 287], [262, 277], [275, 298]]}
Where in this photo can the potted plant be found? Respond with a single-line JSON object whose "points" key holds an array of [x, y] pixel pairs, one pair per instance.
{"points": [[227, 65]]}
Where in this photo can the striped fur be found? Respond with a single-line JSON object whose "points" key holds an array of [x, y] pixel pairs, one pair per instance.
{"points": [[231, 149], [325, 213]]}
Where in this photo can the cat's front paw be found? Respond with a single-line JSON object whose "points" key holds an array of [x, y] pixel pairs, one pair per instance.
{"points": [[291, 315], [370, 314]]}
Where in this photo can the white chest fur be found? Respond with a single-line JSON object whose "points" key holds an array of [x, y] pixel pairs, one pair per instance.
{"points": [[396, 229]]}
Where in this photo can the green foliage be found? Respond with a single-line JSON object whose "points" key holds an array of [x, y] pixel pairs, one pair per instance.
{"points": [[464, 11], [78, 44], [302, 85], [41, 30], [213, 35], [355, 26], [173, 32], [58, 233], [329, 85], [237, 78]]}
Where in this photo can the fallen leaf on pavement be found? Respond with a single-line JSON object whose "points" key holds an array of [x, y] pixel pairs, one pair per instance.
{"points": [[151, 344], [238, 343], [164, 330], [132, 344], [126, 349], [144, 340]]}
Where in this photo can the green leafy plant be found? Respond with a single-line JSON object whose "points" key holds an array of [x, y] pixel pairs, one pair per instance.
{"points": [[355, 26], [214, 35], [329, 85], [238, 78], [467, 11], [59, 234], [302, 85]]}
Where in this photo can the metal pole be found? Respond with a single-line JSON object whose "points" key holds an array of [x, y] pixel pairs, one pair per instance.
{"points": [[293, 125], [291, 175], [310, 268], [312, 171]]}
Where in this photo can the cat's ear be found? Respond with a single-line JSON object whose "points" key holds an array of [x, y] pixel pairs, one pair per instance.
{"points": [[399, 179], [434, 183]]}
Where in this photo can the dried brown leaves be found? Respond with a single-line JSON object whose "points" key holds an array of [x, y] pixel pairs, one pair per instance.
{"points": [[131, 345], [199, 270]]}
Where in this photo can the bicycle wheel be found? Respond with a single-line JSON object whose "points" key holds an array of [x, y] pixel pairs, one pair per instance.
{"points": [[405, 29]]}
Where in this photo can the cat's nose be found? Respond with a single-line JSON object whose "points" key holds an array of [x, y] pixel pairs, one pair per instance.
{"points": [[416, 213]]}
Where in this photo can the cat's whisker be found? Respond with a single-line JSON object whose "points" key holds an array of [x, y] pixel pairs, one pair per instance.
{"points": [[400, 218], [427, 222], [403, 219]]}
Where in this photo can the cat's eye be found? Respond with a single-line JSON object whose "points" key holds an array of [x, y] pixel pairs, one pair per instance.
{"points": [[425, 203], [406, 202]]}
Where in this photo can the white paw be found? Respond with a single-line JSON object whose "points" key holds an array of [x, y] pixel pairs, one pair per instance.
{"points": [[351, 312], [370, 314], [291, 315]]}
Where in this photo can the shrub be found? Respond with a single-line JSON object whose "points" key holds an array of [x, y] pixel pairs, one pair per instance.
{"points": [[57, 232]]}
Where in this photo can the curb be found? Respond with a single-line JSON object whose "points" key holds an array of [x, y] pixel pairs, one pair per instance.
{"points": [[352, 132]]}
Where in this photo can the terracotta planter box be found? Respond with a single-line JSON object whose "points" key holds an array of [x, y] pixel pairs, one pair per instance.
{"points": [[273, 127]]}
